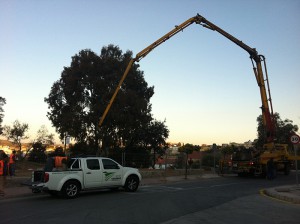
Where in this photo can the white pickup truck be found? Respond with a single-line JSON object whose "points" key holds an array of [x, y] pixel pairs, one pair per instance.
{"points": [[86, 174]]}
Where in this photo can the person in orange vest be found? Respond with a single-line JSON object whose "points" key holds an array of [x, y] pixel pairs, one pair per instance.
{"points": [[4, 158], [12, 163]]}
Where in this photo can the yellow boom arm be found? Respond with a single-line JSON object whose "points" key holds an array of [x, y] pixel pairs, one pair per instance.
{"points": [[142, 54], [258, 71]]}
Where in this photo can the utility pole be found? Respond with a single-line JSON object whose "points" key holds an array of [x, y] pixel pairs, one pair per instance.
{"points": [[186, 163], [214, 149], [295, 139]]}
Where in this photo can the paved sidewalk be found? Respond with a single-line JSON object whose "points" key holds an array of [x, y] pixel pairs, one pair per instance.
{"points": [[11, 187]]}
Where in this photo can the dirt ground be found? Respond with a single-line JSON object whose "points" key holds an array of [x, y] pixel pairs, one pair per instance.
{"points": [[23, 174], [24, 168]]}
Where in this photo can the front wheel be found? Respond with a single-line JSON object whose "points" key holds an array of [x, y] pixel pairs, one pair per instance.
{"points": [[132, 183], [71, 189]]}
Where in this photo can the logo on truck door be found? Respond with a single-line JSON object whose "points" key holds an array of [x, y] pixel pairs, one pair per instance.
{"points": [[110, 176]]}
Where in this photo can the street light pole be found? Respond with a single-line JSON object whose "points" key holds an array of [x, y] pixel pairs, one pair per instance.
{"points": [[186, 162], [66, 139]]}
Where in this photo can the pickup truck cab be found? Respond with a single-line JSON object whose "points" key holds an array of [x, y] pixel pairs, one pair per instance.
{"points": [[84, 174]]}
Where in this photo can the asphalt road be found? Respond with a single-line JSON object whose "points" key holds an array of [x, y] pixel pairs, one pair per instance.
{"points": [[218, 200]]}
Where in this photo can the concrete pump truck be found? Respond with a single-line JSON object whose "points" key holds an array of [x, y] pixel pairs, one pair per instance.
{"points": [[279, 152]]}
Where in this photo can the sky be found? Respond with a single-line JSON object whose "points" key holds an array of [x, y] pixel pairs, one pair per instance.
{"points": [[204, 84]]}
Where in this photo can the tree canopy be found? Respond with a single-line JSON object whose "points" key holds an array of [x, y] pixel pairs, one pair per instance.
{"points": [[189, 148], [283, 129], [78, 99], [43, 136], [16, 133]]}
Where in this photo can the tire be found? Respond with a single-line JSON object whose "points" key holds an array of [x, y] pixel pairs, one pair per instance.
{"points": [[71, 189], [132, 183]]}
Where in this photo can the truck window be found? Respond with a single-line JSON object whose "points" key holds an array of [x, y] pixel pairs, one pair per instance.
{"points": [[73, 164], [93, 164], [109, 164]]}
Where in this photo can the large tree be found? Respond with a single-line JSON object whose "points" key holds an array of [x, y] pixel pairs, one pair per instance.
{"points": [[2, 102], [283, 130], [78, 99]]}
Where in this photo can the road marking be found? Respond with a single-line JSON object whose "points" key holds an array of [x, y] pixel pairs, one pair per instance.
{"points": [[223, 185], [162, 188], [151, 189], [173, 188]]}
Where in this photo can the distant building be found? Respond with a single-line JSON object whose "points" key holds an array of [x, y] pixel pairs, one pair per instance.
{"points": [[248, 144], [8, 147], [205, 147], [195, 156], [173, 150]]}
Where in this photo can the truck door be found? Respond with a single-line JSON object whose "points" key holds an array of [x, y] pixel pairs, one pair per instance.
{"points": [[112, 173], [93, 175]]}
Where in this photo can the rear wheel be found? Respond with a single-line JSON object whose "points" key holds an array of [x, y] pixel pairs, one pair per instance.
{"points": [[71, 189], [132, 183]]}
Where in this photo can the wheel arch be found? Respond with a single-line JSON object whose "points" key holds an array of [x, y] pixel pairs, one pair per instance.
{"points": [[62, 183], [129, 175]]}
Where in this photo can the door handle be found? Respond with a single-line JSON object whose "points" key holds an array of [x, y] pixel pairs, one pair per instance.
{"points": [[88, 173]]}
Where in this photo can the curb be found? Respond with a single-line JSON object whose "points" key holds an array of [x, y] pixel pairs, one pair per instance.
{"points": [[289, 194]]}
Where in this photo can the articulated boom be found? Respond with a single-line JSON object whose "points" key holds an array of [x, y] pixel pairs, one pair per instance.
{"points": [[267, 109]]}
